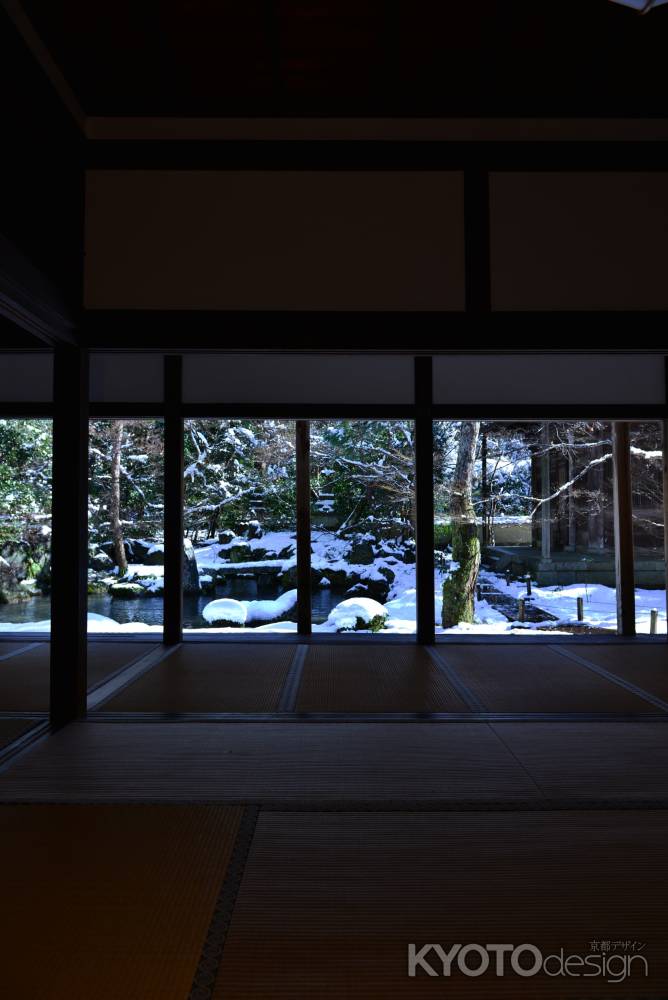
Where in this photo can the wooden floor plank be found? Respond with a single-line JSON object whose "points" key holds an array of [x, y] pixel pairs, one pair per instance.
{"points": [[330, 901]]}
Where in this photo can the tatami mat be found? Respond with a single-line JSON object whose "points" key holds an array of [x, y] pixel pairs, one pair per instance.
{"points": [[210, 677], [11, 729], [330, 901], [108, 902], [24, 679], [251, 762], [643, 664], [537, 679], [105, 658], [12, 647], [580, 761], [374, 679]]}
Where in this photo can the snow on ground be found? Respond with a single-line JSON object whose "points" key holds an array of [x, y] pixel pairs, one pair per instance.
{"points": [[329, 554], [600, 602], [96, 623]]}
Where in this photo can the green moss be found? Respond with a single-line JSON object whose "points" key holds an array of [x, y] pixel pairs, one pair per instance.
{"points": [[442, 536]]}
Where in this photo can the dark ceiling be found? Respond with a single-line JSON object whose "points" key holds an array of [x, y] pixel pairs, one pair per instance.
{"points": [[358, 57]]}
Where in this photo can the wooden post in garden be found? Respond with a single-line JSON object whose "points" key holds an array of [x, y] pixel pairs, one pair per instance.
{"points": [[521, 610], [653, 620], [581, 613], [528, 585]]}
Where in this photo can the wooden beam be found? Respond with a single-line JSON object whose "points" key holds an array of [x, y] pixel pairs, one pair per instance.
{"points": [[424, 500], [69, 539], [372, 154], [173, 457], [30, 300], [39, 50], [303, 452], [623, 514]]}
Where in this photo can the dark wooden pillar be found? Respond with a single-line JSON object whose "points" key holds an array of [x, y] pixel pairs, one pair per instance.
{"points": [[477, 241], [303, 444], [623, 511], [173, 592], [665, 507], [69, 539], [424, 499]]}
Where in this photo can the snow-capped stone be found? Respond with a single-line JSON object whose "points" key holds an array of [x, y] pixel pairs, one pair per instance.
{"points": [[225, 611], [270, 611], [358, 613]]}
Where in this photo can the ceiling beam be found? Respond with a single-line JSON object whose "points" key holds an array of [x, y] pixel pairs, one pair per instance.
{"points": [[377, 129], [39, 50]]}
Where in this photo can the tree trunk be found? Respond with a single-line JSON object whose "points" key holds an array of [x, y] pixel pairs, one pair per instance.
{"points": [[459, 588], [484, 490], [115, 499]]}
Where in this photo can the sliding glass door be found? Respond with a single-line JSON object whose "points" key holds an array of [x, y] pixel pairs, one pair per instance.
{"points": [[363, 526], [240, 565], [126, 552], [524, 528]]}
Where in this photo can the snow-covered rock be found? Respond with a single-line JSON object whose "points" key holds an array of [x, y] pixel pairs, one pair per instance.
{"points": [[155, 555], [100, 561], [270, 611], [225, 612], [358, 613]]}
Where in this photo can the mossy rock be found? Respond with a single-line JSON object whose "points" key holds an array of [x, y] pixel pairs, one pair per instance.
{"points": [[377, 624], [126, 591], [362, 552], [239, 553]]}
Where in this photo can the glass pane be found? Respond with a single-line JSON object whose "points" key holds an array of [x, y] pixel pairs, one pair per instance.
{"points": [[524, 529], [125, 526], [363, 526], [25, 525], [240, 526], [648, 527]]}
